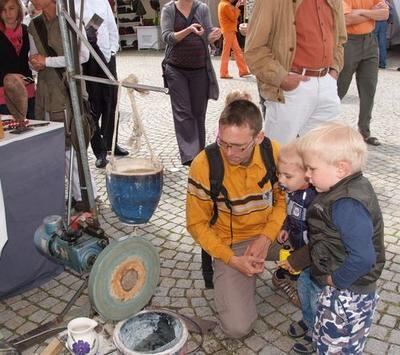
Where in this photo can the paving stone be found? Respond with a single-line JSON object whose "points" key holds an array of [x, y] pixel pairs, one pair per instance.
{"points": [[26, 327], [38, 296], [376, 346], [271, 350], [255, 343], [14, 299], [182, 274], [6, 316], [388, 321], [28, 310], [179, 302], [394, 350], [211, 346], [39, 316], [275, 318], [19, 305], [394, 337], [177, 292], [198, 302], [184, 284], [14, 322], [378, 332]]}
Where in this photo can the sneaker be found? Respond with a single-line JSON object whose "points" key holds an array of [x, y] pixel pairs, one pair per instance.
{"points": [[288, 287], [304, 346]]}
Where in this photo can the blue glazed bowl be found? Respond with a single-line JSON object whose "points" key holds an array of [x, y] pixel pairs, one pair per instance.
{"points": [[134, 187]]}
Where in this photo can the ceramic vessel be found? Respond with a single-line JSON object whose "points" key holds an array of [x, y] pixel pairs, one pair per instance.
{"points": [[82, 337], [134, 187], [156, 332]]}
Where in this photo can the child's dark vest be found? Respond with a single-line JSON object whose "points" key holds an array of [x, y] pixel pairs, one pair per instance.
{"points": [[327, 250]]}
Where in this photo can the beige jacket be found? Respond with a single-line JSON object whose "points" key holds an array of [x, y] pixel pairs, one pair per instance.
{"points": [[271, 42]]}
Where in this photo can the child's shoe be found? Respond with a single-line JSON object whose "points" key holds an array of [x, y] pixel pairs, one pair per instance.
{"points": [[297, 329], [287, 286], [304, 346]]}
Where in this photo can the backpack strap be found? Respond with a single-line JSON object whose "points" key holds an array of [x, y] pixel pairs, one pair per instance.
{"points": [[267, 156], [216, 165]]}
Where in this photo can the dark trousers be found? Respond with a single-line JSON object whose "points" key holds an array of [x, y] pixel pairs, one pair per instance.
{"points": [[103, 101], [188, 91], [361, 57]]}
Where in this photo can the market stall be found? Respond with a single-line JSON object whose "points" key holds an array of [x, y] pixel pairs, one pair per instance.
{"points": [[32, 180]]}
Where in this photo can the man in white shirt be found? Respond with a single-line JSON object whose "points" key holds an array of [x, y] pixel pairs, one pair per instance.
{"points": [[102, 98]]}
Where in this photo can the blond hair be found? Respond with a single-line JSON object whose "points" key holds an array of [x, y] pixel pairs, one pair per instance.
{"points": [[334, 142], [289, 154], [237, 94]]}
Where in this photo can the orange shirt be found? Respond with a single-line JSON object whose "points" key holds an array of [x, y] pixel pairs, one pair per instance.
{"points": [[314, 39], [364, 27], [228, 16]]}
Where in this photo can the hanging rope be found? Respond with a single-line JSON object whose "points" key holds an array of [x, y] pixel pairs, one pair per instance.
{"points": [[138, 130]]}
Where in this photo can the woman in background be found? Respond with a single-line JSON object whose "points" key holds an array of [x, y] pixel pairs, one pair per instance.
{"points": [[187, 30], [14, 52]]}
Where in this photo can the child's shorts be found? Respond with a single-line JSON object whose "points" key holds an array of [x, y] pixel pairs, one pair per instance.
{"points": [[343, 321]]}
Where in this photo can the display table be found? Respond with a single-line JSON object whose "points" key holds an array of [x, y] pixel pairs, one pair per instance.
{"points": [[149, 37], [32, 180]]}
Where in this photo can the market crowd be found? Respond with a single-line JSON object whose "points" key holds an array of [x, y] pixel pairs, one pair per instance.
{"points": [[288, 177]]}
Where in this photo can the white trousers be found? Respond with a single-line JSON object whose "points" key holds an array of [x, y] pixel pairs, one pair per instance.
{"points": [[313, 102], [76, 188]]}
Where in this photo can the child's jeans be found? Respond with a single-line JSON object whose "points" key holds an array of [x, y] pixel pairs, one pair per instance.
{"points": [[308, 292], [343, 321]]}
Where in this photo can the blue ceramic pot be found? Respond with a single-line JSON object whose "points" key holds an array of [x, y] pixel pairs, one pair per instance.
{"points": [[134, 187]]}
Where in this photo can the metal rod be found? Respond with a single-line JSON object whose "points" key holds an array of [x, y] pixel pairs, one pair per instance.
{"points": [[111, 80], [70, 172], [72, 23], [76, 106], [123, 82]]}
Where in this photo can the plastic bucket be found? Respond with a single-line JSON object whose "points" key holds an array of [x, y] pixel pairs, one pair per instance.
{"points": [[134, 187], [151, 332]]}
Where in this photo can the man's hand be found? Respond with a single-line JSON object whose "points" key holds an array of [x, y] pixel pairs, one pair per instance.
{"points": [[214, 35], [38, 62], [381, 5], [197, 29], [247, 264], [292, 81], [240, 3], [259, 249], [283, 236], [333, 73]]}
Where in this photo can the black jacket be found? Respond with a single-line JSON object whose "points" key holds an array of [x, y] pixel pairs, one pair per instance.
{"points": [[10, 62]]}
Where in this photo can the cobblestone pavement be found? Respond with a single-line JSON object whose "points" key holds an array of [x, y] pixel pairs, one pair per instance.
{"points": [[181, 287]]}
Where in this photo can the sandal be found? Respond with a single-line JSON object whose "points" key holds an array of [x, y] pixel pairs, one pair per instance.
{"points": [[288, 287], [372, 141], [305, 346], [297, 329]]}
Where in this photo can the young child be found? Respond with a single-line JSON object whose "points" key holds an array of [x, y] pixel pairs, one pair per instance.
{"points": [[292, 178], [345, 237]]}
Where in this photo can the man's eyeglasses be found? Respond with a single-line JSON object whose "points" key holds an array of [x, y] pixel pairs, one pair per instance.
{"points": [[237, 148]]}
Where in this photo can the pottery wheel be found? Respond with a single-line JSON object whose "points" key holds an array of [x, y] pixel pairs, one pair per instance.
{"points": [[123, 278]]}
